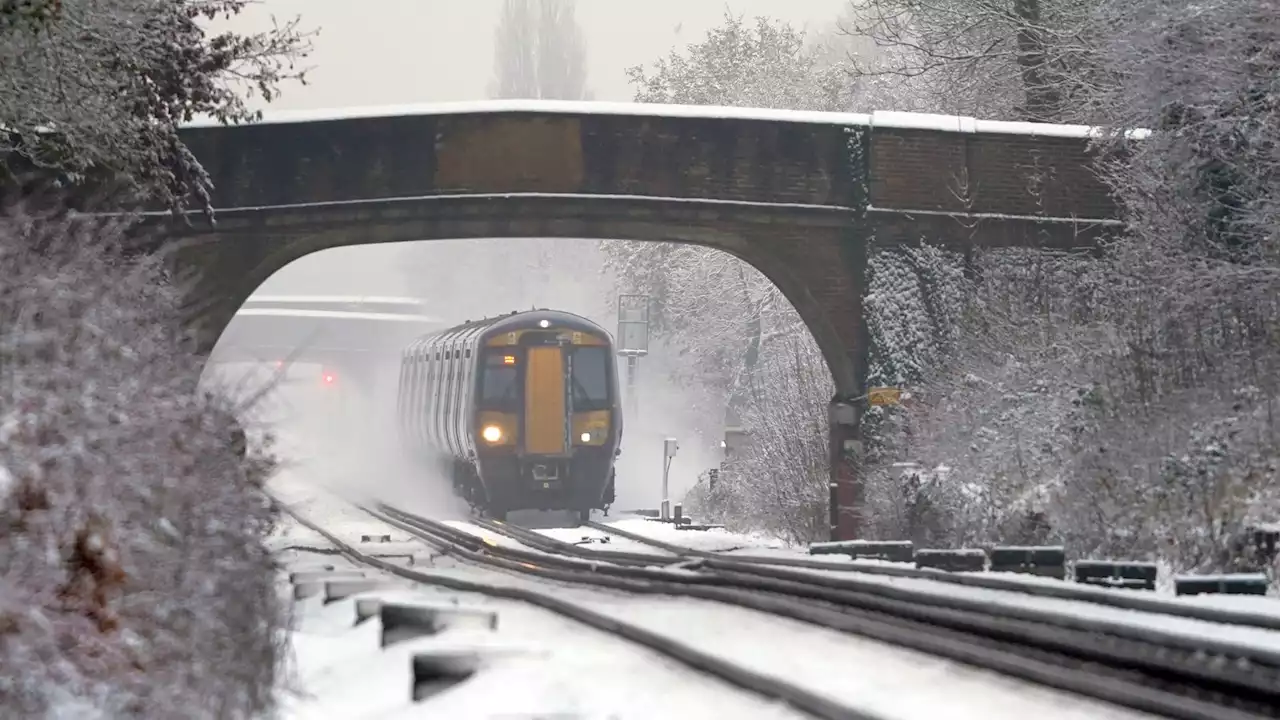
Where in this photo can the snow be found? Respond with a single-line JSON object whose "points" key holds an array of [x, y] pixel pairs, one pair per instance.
{"points": [[595, 537], [534, 665], [537, 664], [879, 118], [712, 540], [876, 678], [961, 124], [1225, 577]]}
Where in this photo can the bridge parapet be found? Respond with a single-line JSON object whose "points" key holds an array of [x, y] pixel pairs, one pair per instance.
{"points": [[913, 161]]}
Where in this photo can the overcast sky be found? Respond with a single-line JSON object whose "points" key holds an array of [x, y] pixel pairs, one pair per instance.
{"points": [[385, 52]]}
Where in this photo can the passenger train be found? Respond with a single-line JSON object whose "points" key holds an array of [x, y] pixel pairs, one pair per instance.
{"points": [[522, 410]]}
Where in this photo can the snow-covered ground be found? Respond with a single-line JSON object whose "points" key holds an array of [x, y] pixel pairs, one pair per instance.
{"points": [[537, 664]]}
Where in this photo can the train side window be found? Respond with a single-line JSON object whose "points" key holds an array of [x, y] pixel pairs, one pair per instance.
{"points": [[591, 377], [437, 371], [446, 390], [450, 392], [414, 374], [428, 404], [405, 390], [455, 404]]}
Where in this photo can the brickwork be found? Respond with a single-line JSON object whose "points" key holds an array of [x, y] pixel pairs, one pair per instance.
{"points": [[373, 158], [986, 173]]}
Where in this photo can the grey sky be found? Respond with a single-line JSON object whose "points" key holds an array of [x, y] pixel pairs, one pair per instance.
{"points": [[382, 52]]}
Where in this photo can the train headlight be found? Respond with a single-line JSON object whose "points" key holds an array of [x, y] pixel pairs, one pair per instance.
{"points": [[586, 437], [491, 433]]}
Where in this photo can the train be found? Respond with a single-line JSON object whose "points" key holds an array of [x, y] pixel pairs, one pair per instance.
{"points": [[521, 411]]}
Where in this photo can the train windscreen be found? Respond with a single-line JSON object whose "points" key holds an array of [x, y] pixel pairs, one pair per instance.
{"points": [[591, 378], [499, 384]]}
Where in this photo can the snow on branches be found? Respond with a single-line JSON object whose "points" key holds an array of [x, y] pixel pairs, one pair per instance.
{"points": [[98, 90], [134, 576]]}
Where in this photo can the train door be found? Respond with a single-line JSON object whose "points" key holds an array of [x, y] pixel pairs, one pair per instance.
{"points": [[544, 400]]}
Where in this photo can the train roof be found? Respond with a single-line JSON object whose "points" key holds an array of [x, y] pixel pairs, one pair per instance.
{"points": [[487, 327]]}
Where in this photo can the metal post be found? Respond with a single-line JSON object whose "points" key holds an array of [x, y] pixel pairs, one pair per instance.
{"points": [[669, 448], [633, 341], [633, 399]]}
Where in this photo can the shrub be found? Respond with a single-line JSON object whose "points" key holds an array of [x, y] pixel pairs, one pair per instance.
{"points": [[134, 576]]}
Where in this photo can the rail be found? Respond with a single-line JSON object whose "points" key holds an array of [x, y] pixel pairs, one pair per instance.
{"points": [[1097, 596], [771, 688], [1140, 668]]}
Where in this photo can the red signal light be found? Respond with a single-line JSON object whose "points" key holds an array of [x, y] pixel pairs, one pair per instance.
{"points": [[329, 378]]}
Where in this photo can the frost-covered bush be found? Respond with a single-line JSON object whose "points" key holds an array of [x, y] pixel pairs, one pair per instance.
{"points": [[778, 484], [134, 580]]}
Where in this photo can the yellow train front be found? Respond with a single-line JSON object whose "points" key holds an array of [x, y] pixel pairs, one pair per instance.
{"points": [[522, 410]]}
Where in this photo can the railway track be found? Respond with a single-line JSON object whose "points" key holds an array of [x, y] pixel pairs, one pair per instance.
{"points": [[1096, 596], [768, 687], [1162, 673]]}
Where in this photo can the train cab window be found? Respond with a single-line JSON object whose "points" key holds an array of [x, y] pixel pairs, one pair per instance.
{"points": [[499, 386], [591, 378]]}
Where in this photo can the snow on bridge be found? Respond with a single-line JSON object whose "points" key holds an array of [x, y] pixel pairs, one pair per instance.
{"points": [[876, 119]]}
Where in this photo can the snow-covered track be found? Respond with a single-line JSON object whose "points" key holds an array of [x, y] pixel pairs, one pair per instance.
{"points": [[1122, 599], [536, 540], [1168, 674], [445, 539]]}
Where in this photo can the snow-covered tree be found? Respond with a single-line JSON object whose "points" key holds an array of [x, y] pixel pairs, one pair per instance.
{"points": [[539, 51], [1000, 59], [1119, 402], [762, 63], [96, 90], [135, 580]]}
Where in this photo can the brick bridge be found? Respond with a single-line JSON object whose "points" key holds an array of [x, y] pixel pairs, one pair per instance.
{"points": [[801, 196]]}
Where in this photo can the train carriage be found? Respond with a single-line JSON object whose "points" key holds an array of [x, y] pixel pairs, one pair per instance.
{"points": [[523, 410]]}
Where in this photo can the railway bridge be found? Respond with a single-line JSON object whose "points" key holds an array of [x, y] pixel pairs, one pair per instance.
{"points": [[802, 196]]}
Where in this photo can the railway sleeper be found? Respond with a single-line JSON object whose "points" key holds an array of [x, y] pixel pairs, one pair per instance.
{"points": [[440, 670], [402, 621]]}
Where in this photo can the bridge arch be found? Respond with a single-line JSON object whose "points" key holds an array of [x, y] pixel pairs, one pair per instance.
{"points": [[758, 236]]}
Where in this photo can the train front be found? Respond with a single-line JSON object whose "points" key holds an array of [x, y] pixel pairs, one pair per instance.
{"points": [[548, 421]]}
